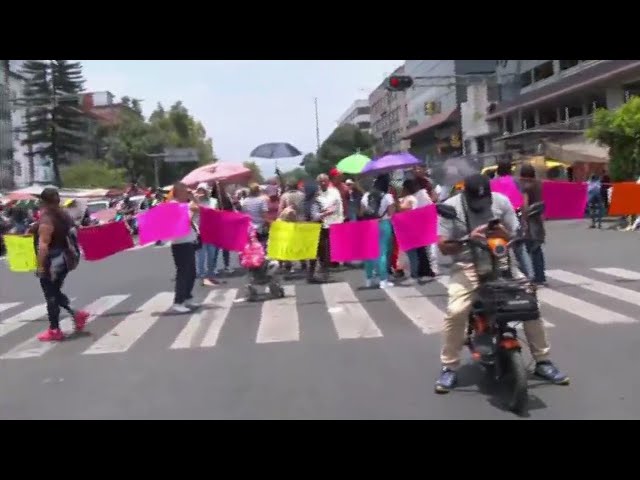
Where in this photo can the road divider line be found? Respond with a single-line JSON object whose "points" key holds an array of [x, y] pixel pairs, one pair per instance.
{"points": [[279, 319], [219, 317], [35, 348], [349, 317], [588, 311], [7, 306], [21, 319], [129, 330], [619, 272], [195, 327], [606, 289], [421, 311]]}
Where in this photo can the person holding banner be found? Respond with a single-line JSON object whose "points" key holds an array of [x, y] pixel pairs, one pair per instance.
{"points": [[312, 209], [207, 255], [533, 227], [332, 213]]}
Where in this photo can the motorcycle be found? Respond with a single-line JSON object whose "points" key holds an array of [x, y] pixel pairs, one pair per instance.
{"points": [[499, 302]]}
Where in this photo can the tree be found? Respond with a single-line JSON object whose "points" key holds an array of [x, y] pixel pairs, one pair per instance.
{"points": [[343, 141], [92, 174], [296, 175], [256, 174], [53, 121], [620, 130]]}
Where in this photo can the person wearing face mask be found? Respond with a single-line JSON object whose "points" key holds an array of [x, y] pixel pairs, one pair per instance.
{"points": [[476, 206]]}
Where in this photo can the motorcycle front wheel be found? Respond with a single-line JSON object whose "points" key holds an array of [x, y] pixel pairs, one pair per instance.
{"points": [[516, 375]]}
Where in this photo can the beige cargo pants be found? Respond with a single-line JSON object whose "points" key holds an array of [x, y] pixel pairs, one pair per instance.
{"points": [[462, 284]]}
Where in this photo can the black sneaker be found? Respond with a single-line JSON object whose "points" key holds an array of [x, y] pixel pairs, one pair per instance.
{"points": [[446, 381], [549, 372]]}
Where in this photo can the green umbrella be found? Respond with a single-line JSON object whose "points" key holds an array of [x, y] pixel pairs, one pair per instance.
{"points": [[353, 164]]}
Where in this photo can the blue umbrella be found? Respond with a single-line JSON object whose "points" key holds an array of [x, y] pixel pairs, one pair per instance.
{"points": [[275, 150]]}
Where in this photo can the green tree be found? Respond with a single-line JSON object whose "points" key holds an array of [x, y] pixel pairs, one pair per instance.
{"points": [[343, 141], [53, 121], [620, 130], [256, 174], [92, 174], [296, 175]]}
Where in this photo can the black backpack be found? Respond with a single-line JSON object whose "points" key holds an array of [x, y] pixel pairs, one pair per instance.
{"points": [[372, 210]]}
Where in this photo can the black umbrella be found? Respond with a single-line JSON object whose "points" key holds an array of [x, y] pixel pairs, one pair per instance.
{"points": [[275, 150]]}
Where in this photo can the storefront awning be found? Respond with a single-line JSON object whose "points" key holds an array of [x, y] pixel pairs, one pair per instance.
{"points": [[432, 122]]}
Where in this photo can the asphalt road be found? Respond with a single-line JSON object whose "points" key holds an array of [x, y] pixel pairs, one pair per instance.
{"points": [[332, 352]]}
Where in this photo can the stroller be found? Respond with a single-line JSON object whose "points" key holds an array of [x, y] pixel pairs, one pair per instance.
{"points": [[261, 271]]}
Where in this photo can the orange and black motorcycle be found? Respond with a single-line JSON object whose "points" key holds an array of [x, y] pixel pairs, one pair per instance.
{"points": [[499, 302]]}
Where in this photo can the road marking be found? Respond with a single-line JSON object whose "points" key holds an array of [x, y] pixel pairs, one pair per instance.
{"points": [[35, 348], [7, 306], [349, 317], [619, 272], [279, 319], [444, 281], [588, 311], [219, 315], [17, 321], [129, 330], [421, 311], [606, 289]]}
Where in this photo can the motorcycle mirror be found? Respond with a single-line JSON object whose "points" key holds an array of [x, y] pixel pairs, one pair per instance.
{"points": [[536, 208], [446, 211]]}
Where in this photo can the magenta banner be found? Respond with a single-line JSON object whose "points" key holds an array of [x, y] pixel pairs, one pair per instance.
{"points": [[354, 241], [226, 230], [416, 228]]}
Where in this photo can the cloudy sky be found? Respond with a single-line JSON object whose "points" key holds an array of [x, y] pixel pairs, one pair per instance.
{"points": [[244, 103]]}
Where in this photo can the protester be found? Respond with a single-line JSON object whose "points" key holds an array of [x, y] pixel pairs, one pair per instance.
{"points": [[226, 203], [419, 264], [290, 208], [533, 227], [378, 204], [207, 255], [337, 182], [355, 199], [312, 210], [183, 250], [255, 205], [332, 213], [57, 254], [596, 201]]}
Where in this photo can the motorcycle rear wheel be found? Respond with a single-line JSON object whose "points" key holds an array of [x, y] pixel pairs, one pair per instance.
{"points": [[518, 378]]}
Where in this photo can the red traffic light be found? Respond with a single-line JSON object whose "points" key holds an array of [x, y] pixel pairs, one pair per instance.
{"points": [[399, 83]]}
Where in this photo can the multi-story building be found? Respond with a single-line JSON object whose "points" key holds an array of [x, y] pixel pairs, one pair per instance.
{"points": [[6, 149], [24, 170], [357, 114], [389, 117], [546, 105], [433, 104]]}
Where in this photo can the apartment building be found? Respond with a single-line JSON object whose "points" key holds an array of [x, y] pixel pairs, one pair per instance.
{"points": [[389, 117], [359, 114]]}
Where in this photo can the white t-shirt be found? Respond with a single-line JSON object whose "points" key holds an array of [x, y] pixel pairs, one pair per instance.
{"points": [[409, 201], [385, 203], [422, 198], [331, 199]]}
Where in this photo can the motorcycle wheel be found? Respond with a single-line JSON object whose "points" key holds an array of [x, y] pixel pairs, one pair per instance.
{"points": [[517, 375]]}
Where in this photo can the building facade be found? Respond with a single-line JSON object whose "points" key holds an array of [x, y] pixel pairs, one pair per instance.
{"points": [[545, 106], [433, 105], [6, 148], [389, 117], [24, 171], [358, 114]]}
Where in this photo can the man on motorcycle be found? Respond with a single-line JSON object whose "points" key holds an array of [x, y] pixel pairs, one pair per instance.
{"points": [[482, 206]]}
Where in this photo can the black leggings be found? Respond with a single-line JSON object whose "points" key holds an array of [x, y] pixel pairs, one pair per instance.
{"points": [[324, 255], [52, 290], [184, 258]]}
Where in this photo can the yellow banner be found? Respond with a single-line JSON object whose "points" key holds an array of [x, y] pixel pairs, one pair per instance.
{"points": [[21, 253], [291, 241]]}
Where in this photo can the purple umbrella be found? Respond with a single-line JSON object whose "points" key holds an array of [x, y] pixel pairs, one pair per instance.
{"points": [[275, 150], [391, 162]]}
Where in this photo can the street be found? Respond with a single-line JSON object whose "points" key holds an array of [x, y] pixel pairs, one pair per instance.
{"points": [[333, 351]]}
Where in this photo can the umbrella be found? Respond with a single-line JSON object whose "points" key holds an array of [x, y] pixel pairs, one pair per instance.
{"points": [[217, 172], [388, 163], [353, 164], [454, 170], [18, 196], [275, 150]]}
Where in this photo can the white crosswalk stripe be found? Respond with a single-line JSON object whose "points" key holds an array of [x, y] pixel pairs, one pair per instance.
{"points": [[350, 314]]}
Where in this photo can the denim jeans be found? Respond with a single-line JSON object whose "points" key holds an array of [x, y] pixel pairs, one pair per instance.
{"points": [[534, 249], [596, 212], [381, 265], [414, 262], [206, 261], [525, 263]]}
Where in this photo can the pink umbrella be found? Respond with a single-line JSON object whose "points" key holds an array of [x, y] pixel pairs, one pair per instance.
{"points": [[217, 172]]}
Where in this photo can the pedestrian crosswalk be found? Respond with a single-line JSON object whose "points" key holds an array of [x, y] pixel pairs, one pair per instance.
{"points": [[342, 311]]}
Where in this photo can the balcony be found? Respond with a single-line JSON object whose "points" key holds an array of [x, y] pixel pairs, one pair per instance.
{"points": [[572, 125]]}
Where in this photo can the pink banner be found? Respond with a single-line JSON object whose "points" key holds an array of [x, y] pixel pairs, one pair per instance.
{"points": [[104, 240], [165, 222], [508, 187], [354, 241], [564, 200], [226, 230], [416, 228]]}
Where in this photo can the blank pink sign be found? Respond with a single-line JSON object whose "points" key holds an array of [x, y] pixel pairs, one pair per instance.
{"points": [[509, 188], [416, 228], [354, 241], [105, 240], [165, 222], [226, 230], [564, 200]]}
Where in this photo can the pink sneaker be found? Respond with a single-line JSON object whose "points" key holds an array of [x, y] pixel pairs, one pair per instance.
{"points": [[51, 336], [80, 320]]}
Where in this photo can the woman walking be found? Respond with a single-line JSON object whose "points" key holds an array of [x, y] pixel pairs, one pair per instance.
{"points": [[207, 255], [379, 204]]}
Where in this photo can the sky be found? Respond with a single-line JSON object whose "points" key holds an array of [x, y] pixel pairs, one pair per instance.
{"points": [[244, 103]]}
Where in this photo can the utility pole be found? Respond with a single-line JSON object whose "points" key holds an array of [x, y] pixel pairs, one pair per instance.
{"points": [[156, 166], [315, 102]]}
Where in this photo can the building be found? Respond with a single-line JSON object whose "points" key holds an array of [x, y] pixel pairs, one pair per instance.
{"points": [[433, 105], [24, 170], [6, 149], [389, 117], [546, 105], [357, 114]]}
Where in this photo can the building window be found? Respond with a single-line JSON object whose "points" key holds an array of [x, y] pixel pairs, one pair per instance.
{"points": [[362, 111], [567, 64], [547, 116], [631, 90], [595, 103], [526, 78], [543, 71], [528, 120], [17, 169], [508, 125], [364, 125], [574, 111]]}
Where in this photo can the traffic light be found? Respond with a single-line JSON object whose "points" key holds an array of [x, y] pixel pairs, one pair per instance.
{"points": [[399, 83]]}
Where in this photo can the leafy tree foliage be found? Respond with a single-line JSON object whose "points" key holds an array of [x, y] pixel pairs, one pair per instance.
{"points": [[256, 174], [92, 174]]}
